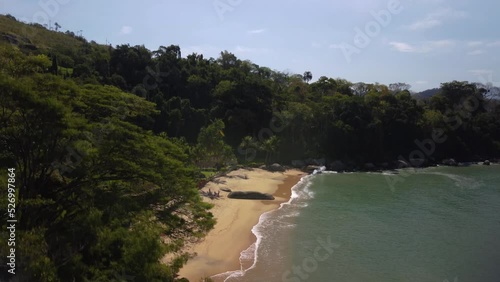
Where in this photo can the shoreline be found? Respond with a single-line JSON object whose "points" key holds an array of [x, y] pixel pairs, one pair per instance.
{"points": [[340, 167], [219, 252]]}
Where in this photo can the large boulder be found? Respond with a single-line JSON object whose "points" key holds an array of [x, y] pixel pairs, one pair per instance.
{"points": [[402, 164], [10, 38], [370, 166], [320, 162], [276, 167], [417, 162], [450, 162], [337, 166], [312, 168], [486, 162], [317, 162], [298, 164], [250, 195]]}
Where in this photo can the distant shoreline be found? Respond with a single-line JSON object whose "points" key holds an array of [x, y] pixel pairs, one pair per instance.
{"points": [[395, 165]]}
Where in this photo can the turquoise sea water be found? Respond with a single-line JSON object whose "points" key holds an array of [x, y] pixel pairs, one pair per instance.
{"points": [[433, 224]]}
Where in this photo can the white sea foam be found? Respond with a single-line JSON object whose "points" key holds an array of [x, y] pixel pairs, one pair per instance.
{"points": [[300, 193], [460, 181], [319, 170]]}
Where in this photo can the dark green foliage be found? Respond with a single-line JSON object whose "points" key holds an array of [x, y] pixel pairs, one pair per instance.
{"points": [[99, 196]]}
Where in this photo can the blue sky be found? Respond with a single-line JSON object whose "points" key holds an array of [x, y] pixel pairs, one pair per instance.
{"points": [[420, 42]]}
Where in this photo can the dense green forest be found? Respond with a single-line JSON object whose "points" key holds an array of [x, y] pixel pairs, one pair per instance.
{"points": [[108, 142]]}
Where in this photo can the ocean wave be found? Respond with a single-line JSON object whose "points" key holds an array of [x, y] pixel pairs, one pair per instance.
{"points": [[226, 275], [290, 214], [460, 181], [300, 193]]}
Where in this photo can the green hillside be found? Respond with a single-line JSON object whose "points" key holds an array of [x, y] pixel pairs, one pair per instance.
{"points": [[34, 37]]}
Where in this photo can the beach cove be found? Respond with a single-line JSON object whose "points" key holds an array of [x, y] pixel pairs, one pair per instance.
{"points": [[220, 251]]}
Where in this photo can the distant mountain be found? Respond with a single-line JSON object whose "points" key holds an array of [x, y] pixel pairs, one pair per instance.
{"points": [[426, 93]]}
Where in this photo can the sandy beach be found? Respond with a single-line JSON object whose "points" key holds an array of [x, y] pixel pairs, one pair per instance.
{"points": [[220, 250]]}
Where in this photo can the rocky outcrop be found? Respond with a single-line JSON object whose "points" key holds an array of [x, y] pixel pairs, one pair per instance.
{"points": [[311, 168], [316, 162], [370, 166], [402, 164], [418, 162], [276, 167], [337, 166], [450, 162], [250, 195], [298, 164]]}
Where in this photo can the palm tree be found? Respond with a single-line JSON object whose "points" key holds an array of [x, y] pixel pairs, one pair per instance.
{"points": [[270, 146], [307, 76], [57, 26], [247, 143]]}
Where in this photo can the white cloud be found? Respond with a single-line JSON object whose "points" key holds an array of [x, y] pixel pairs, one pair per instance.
{"points": [[476, 52], [481, 72], [126, 30], [436, 18], [424, 24], [247, 50], [421, 82], [257, 31], [484, 76], [475, 43], [316, 45], [441, 43], [424, 47], [403, 47], [494, 44]]}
